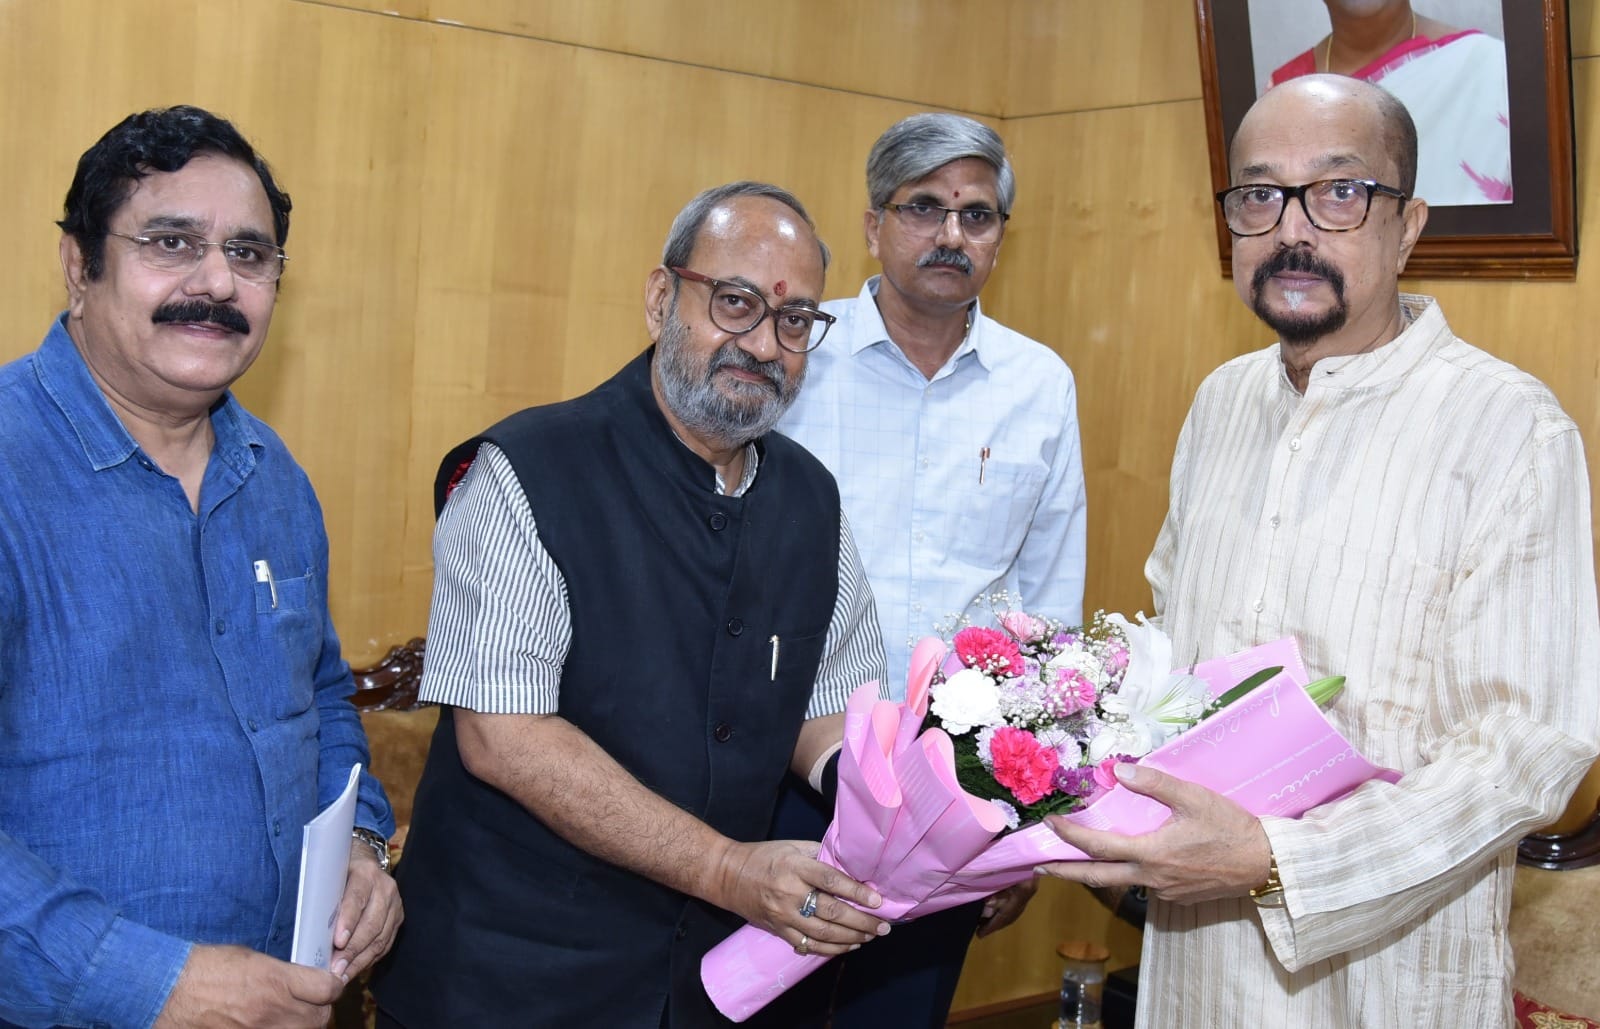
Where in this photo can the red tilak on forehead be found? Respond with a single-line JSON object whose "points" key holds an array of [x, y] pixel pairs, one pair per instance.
{"points": [[780, 288]]}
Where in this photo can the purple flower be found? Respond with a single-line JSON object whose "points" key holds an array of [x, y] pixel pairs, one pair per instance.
{"points": [[1074, 782]]}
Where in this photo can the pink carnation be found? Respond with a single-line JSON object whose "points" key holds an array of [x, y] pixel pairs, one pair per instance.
{"points": [[1023, 626], [1069, 694], [988, 650], [1023, 765], [1116, 657]]}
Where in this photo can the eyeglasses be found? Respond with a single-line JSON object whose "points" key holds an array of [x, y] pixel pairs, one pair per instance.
{"points": [[1332, 205], [738, 309], [169, 250], [978, 224]]}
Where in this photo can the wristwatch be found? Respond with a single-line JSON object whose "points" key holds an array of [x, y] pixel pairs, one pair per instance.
{"points": [[379, 845], [1270, 893]]}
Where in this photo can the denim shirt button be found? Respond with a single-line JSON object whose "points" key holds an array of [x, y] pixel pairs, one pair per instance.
{"points": [[222, 627]]}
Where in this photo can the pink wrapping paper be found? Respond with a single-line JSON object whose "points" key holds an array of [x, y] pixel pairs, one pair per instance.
{"points": [[903, 825]]}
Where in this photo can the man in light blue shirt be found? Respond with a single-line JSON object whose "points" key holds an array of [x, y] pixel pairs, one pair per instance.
{"points": [[955, 444]]}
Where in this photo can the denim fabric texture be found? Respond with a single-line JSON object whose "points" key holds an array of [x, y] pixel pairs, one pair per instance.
{"points": [[170, 716]]}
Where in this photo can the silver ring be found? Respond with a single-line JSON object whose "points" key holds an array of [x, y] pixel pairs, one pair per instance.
{"points": [[804, 946], [808, 907]]}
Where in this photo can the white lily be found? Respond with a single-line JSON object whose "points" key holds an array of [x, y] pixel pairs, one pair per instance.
{"points": [[1154, 702]]}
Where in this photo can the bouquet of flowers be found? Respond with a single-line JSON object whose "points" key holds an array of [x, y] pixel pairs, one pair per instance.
{"points": [[1038, 714], [930, 788]]}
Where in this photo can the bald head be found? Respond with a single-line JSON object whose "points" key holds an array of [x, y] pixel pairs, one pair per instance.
{"points": [[1289, 107]]}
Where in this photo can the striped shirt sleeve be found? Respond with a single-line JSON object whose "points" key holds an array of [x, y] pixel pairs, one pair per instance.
{"points": [[852, 651], [499, 627]]}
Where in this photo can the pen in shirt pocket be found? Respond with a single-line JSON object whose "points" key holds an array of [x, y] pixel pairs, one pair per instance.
{"points": [[983, 462], [264, 574]]}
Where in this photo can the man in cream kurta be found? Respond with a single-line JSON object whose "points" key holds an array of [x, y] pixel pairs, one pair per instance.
{"points": [[1416, 512]]}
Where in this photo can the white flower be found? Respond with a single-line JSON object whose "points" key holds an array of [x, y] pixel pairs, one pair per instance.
{"points": [[1081, 661], [1149, 653], [1132, 734], [966, 700], [1154, 703], [1012, 820]]}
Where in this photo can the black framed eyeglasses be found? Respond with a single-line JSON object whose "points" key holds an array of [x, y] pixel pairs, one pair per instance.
{"points": [[1332, 205], [739, 309], [170, 250], [978, 224]]}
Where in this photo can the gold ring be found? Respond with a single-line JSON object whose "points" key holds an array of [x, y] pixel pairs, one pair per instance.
{"points": [[804, 946]]}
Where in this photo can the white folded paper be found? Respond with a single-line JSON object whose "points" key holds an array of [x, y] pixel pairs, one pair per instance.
{"points": [[324, 864]]}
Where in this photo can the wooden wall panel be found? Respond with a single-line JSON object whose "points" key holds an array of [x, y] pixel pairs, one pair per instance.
{"points": [[939, 53], [1080, 55], [1583, 23]]}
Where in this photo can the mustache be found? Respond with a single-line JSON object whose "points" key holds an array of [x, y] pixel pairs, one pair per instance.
{"points": [[732, 355], [947, 257], [1296, 259], [225, 315]]}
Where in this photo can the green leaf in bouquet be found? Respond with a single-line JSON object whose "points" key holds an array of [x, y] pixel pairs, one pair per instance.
{"points": [[1324, 690], [1244, 687]]}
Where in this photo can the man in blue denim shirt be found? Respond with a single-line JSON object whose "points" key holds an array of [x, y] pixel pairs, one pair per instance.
{"points": [[173, 703]]}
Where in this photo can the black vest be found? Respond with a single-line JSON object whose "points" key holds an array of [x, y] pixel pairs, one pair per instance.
{"points": [[675, 594]]}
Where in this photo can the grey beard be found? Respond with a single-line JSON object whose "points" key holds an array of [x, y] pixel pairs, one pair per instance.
{"points": [[707, 411]]}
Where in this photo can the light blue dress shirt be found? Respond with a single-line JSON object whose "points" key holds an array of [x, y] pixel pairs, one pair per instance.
{"points": [[169, 717], [955, 486]]}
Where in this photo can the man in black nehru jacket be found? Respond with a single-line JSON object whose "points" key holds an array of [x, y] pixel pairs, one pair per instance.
{"points": [[647, 607]]}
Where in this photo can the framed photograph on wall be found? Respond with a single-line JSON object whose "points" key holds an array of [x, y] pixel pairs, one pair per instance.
{"points": [[1488, 82]]}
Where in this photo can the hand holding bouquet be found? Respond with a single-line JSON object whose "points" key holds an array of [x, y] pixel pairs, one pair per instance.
{"points": [[939, 795]]}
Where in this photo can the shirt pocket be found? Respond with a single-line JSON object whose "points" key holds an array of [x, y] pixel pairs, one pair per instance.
{"points": [[994, 514], [289, 619]]}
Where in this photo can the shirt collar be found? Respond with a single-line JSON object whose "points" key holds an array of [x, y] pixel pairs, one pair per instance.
{"points": [[105, 441], [752, 461], [1426, 330], [867, 329]]}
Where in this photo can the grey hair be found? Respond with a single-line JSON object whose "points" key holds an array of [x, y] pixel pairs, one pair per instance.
{"points": [[685, 231], [916, 147]]}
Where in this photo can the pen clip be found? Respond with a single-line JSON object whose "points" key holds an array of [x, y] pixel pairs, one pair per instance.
{"points": [[264, 574]]}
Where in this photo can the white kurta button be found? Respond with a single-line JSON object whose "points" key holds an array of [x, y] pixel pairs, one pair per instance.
{"points": [[1273, 521], [1294, 444], [1258, 605]]}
